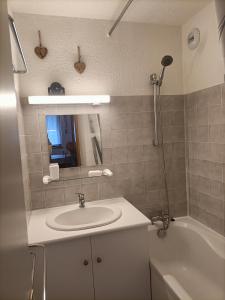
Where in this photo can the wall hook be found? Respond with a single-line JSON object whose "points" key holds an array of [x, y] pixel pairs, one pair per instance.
{"points": [[79, 66], [40, 51]]}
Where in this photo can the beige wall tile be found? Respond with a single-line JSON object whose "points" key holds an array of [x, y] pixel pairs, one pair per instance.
{"points": [[172, 103], [135, 153], [54, 197], [119, 138], [91, 191], [151, 153], [135, 104], [38, 199], [172, 134], [70, 194], [127, 135], [147, 119], [217, 115], [119, 104], [212, 95], [119, 155], [31, 126], [148, 104], [119, 121], [107, 155], [134, 137], [217, 133], [106, 138], [121, 171], [36, 181], [206, 156], [33, 144], [35, 163]]}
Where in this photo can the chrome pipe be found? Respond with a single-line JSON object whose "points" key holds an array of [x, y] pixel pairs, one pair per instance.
{"points": [[155, 82], [42, 246], [156, 139], [120, 17], [16, 37]]}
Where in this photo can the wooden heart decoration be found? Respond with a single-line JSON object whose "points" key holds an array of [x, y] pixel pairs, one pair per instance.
{"points": [[41, 52], [80, 67]]}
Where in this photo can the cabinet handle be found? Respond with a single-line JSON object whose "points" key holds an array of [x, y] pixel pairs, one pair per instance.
{"points": [[99, 260], [85, 262]]}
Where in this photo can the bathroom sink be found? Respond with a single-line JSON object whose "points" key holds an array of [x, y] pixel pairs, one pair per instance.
{"points": [[83, 218]]}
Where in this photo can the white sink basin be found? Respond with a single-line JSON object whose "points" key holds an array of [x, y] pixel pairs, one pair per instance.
{"points": [[83, 218]]}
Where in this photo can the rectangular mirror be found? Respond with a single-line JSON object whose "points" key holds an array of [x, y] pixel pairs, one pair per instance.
{"points": [[74, 140]]}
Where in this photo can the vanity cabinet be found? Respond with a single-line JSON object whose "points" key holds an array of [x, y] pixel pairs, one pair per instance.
{"points": [[69, 270], [112, 266], [123, 273]]}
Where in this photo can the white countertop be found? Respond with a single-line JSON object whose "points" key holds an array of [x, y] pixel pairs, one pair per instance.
{"points": [[39, 232]]}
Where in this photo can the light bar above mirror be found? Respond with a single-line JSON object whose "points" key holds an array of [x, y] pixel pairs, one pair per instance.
{"points": [[83, 99]]}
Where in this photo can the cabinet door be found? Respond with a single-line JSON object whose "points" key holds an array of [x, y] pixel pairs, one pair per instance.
{"points": [[69, 270], [121, 265]]}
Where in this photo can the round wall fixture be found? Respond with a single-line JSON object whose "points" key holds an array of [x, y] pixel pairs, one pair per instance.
{"points": [[193, 38]]}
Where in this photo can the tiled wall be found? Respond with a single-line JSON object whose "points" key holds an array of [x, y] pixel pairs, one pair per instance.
{"points": [[127, 131], [205, 142]]}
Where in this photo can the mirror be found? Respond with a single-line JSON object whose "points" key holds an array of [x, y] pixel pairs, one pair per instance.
{"points": [[74, 140]]}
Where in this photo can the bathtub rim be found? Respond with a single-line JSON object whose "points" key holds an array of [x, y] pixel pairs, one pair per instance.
{"points": [[213, 239]]}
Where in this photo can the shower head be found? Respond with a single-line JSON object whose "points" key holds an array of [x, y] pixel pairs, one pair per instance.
{"points": [[166, 61]]}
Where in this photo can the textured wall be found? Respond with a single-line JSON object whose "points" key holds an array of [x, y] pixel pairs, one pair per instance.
{"points": [[24, 160], [118, 66], [220, 9], [127, 130], [23, 151], [205, 142], [204, 66]]}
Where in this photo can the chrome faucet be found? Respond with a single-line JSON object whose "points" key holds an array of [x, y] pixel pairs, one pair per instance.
{"points": [[81, 200], [164, 218]]}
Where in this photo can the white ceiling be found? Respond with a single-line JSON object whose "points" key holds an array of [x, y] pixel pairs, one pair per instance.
{"points": [[170, 12]]}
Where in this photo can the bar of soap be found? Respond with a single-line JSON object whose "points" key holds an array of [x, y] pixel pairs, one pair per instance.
{"points": [[107, 172], [95, 173]]}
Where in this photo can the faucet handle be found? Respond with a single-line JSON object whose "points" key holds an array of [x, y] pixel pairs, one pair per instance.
{"points": [[80, 196], [81, 199], [166, 214]]}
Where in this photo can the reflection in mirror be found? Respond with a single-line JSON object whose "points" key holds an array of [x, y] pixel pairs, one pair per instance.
{"points": [[74, 140]]}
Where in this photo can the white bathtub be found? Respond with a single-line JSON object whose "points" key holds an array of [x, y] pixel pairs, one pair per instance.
{"points": [[189, 263]]}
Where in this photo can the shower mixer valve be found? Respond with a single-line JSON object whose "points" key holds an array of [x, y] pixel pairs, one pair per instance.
{"points": [[165, 219]]}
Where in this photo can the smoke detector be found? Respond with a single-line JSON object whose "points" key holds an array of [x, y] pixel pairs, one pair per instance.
{"points": [[193, 39]]}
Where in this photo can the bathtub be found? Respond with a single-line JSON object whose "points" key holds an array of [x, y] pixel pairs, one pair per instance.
{"points": [[188, 264]]}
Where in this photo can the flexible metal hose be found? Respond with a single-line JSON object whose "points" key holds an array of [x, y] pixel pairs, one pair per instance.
{"points": [[31, 294], [157, 99]]}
